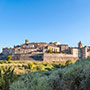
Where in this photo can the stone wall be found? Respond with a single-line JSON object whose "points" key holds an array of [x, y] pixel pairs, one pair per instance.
{"points": [[42, 57], [3, 57], [35, 56], [58, 57]]}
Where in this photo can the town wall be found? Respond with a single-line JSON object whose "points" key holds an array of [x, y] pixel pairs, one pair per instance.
{"points": [[58, 57], [34, 56], [42, 57]]}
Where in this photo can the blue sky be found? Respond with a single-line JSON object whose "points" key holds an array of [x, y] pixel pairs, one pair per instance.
{"points": [[67, 21]]}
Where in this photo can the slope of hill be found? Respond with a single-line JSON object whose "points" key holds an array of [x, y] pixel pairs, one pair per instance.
{"points": [[72, 77]]}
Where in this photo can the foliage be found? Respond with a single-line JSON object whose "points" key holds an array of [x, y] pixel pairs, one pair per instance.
{"points": [[68, 62], [10, 61], [40, 68], [7, 76], [9, 58], [73, 77], [30, 66], [56, 65], [21, 67], [49, 51]]}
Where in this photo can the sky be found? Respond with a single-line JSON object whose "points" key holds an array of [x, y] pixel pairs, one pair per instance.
{"points": [[66, 21]]}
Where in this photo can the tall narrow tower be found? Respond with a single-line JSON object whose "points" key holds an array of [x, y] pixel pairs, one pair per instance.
{"points": [[26, 41], [80, 45]]}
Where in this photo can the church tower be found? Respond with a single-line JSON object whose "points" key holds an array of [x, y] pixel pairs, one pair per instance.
{"points": [[26, 41], [80, 45]]}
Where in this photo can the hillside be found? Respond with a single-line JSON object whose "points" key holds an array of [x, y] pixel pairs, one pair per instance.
{"points": [[72, 77], [26, 75]]}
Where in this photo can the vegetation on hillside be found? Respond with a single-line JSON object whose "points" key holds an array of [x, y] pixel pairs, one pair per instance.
{"points": [[73, 77], [11, 70], [7, 76], [27, 75]]}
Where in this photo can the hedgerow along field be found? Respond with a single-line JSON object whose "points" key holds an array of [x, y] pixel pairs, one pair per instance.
{"points": [[37, 75]]}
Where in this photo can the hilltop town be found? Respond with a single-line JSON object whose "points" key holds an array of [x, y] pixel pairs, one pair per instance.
{"points": [[53, 51]]}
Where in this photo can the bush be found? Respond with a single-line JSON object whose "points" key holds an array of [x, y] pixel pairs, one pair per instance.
{"points": [[56, 65], [30, 66], [31, 81], [9, 58], [5, 62], [1, 62], [1, 67], [6, 78], [85, 83], [25, 66], [49, 51], [40, 68], [10, 61]]}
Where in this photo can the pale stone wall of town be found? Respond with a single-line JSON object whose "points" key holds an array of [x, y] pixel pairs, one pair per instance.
{"points": [[42, 57], [33, 56], [58, 57]]}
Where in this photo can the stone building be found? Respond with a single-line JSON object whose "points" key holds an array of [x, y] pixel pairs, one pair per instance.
{"points": [[7, 50], [52, 48], [64, 48]]}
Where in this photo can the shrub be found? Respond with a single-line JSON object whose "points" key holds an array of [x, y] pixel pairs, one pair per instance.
{"points": [[46, 64], [85, 83], [1, 67], [49, 67], [40, 68], [10, 61], [5, 62], [9, 58], [31, 81], [30, 66], [56, 65], [6, 78], [1, 62], [25, 66], [49, 51]]}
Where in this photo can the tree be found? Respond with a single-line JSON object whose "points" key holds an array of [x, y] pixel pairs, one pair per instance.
{"points": [[9, 58], [30, 66], [49, 51]]}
